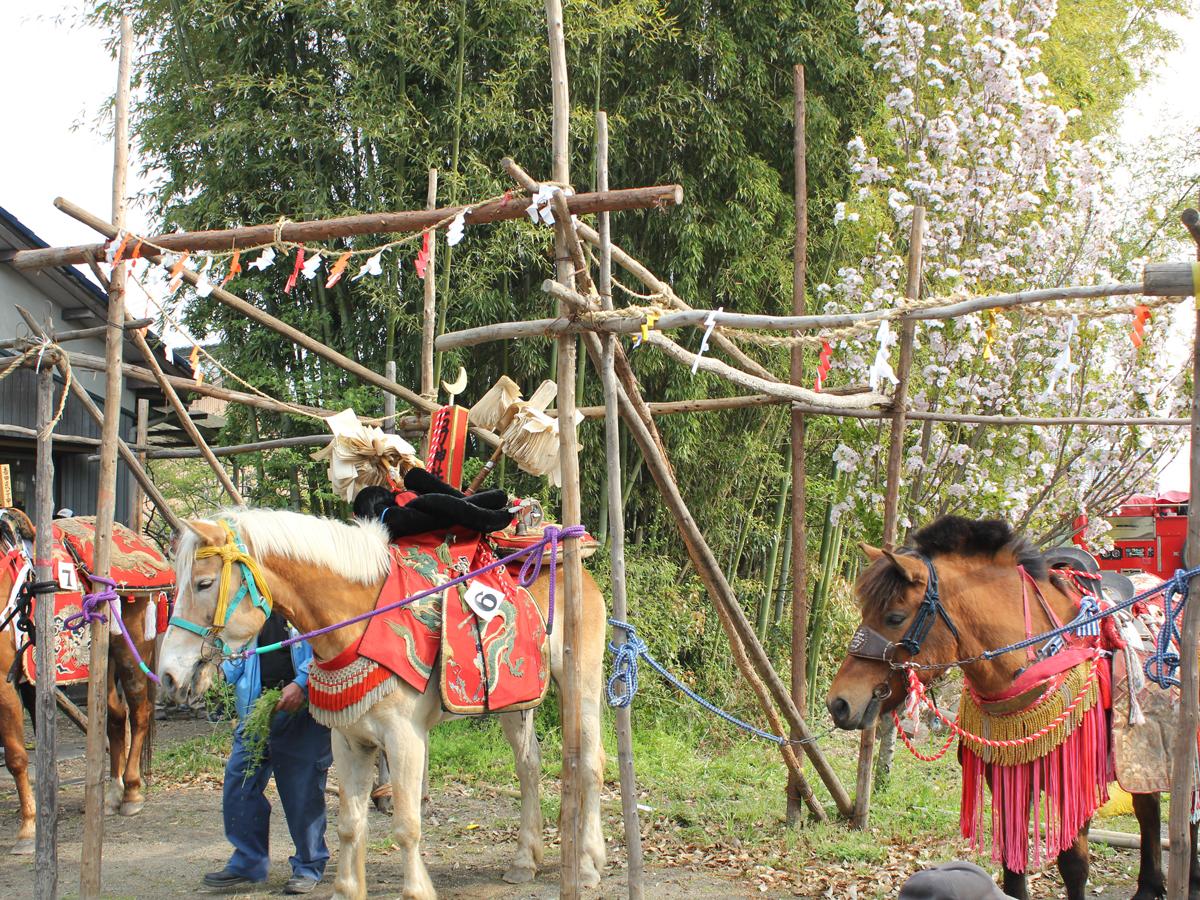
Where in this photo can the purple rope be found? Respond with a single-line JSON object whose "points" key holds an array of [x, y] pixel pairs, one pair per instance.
{"points": [[89, 612], [551, 535]]}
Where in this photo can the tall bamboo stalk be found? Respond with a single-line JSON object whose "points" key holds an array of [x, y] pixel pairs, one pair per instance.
{"points": [[45, 873], [764, 605]]}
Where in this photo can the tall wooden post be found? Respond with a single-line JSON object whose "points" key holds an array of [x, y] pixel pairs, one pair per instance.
{"points": [[429, 313], [1183, 750], [891, 503], [616, 527], [106, 498], [45, 884], [572, 721], [799, 534]]}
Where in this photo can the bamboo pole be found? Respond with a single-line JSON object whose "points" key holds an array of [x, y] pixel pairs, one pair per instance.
{"points": [[1183, 747], [45, 884], [740, 632], [570, 820], [293, 334], [704, 404], [799, 662], [1034, 421], [409, 221], [141, 435], [634, 872], [77, 335], [389, 399], [891, 502], [429, 308], [93, 814], [185, 420], [127, 455]]}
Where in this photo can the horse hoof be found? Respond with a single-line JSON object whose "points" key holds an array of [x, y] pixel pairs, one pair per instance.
{"points": [[384, 805], [520, 874], [590, 879], [22, 847], [131, 807]]}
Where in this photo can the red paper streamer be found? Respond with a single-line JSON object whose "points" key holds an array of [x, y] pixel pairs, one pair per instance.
{"points": [[824, 364], [291, 282], [1141, 315], [422, 260]]}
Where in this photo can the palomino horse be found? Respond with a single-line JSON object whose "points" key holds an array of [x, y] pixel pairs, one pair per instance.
{"points": [[320, 572], [128, 698], [960, 590]]}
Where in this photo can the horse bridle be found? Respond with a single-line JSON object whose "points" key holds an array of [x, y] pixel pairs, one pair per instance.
{"points": [[254, 586], [867, 643]]}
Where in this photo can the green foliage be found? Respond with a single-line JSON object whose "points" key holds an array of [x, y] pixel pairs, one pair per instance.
{"points": [[256, 729], [195, 758]]}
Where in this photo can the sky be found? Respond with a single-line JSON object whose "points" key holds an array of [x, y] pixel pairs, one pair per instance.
{"points": [[68, 76]]}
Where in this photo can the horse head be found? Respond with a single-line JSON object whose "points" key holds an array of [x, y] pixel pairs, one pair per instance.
{"points": [[953, 593], [218, 610]]}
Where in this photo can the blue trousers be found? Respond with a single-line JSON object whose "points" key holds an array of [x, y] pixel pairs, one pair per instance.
{"points": [[298, 754]]}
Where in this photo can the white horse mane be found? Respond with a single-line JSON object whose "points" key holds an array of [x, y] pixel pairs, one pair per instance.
{"points": [[358, 551]]}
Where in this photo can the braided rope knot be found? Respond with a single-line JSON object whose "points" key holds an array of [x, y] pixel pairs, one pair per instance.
{"points": [[90, 609], [623, 683], [531, 569], [1163, 663]]}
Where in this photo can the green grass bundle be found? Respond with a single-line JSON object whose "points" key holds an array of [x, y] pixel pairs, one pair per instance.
{"points": [[256, 729]]}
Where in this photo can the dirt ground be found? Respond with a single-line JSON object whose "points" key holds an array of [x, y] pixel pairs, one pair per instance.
{"points": [[469, 835]]}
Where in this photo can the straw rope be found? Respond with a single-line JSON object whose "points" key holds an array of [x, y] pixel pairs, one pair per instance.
{"points": [[38, 350]]}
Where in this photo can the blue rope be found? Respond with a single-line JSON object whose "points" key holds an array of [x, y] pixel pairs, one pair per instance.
{"points": [[1163, 663], [625, 672], [1161, 658]]}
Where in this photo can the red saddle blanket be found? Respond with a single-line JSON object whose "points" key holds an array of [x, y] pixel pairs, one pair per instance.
{"points": [[486, 638]]}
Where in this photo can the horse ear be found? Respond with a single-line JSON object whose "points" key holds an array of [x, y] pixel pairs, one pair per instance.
{"points": [[909, 567], [871, 553], [204, 532]]}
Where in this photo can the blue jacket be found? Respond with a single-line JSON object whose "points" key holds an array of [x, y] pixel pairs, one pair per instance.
{"points": [[246, 674]]}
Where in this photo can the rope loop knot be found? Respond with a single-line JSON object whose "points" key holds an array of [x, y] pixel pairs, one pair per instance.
{"points": [[623, 683], [90, 609], [1163, 664]]}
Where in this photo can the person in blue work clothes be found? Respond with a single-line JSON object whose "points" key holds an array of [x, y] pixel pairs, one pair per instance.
{"points": [[298, 753]]}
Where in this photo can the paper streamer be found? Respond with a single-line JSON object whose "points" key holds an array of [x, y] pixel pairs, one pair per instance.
{"points": [[264, 261], [372, 267], [824, 364], [235, 267], [337, 270], [291, 282], [881, 368], [709, 324], [422, 261]]}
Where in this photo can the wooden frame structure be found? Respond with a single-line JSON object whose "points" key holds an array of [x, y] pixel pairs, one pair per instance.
{"points": [[584, 309]]}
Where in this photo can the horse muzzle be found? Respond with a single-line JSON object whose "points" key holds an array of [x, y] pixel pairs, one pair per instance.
{"points": [[848, 715], [185, 687]]}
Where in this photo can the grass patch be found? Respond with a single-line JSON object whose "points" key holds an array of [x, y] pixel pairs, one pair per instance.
{"points": [[196, 759]]}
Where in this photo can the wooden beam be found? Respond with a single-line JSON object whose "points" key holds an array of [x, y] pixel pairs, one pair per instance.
{"points": [[90, 872], [293, 334], [704, 404], [45, 878], [77, 335], [409, 221], [429, 305], [1172, 279], [303, 440], [138, 498], [1033, 421], [799, 531], [127, 455]]}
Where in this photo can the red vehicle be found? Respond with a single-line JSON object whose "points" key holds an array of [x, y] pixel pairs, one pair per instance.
{"points": [[1148, 532]]}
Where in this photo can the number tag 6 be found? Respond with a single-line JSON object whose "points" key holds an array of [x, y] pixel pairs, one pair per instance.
{"points": [[484, 600]]}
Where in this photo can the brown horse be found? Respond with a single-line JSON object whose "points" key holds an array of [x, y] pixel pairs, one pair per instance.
{"points": [[958, 591], [128, 699]]}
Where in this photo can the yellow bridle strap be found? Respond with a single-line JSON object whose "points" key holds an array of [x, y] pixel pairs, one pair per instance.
{"points": [[232, 552]]}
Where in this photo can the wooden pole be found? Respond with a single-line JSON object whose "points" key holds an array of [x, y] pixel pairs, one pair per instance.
{"points": [[429, 313], [389, 399], [410, 221], [799, 668], [45, 885], [138, 500], [634, 872], [77, 335], [1183, 748], [279, 327], [970, 419], [570, 827], [185, 420], [106, 498], [127, 455], [748, 653]]}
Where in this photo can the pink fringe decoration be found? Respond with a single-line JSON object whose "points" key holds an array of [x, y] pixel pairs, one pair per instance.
{"points": [[1060, 792]]}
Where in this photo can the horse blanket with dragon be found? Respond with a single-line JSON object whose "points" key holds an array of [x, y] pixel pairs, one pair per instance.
{"points": [[141, 572], [485, 640]]}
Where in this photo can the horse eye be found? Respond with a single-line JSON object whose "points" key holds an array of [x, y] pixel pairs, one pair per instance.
{"points": [[895, 618], [204, 584]]}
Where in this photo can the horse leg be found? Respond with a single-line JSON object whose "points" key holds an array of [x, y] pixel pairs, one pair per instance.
{"points": [[355, 764], [136, 688], [16, 757], [594, 853], [1194, 873], [117, 715], [1073, 865], [1014, 884], [518, 729], [1151, 882], [406, 741], [381, 793]]}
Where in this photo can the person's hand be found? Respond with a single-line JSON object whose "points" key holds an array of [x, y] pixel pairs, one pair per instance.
{"points": [[291, 698]]}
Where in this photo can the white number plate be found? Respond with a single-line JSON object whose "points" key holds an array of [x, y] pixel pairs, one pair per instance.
{"points": [[484, 600]]}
